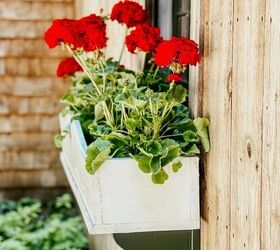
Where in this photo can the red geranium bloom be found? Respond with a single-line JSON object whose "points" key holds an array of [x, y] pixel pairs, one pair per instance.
{"points": [[68, 67], [144, 37], [179, 50], [128, 12], [93, 33], [88, 33], [175, 78], [61, 30]]}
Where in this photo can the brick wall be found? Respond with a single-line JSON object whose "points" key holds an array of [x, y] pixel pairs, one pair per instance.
{"points": [[29, 93]]}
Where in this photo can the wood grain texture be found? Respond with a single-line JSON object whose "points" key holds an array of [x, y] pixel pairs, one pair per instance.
{"points": [[271, 130], [239, 84], [215, 87], [246, 147]]}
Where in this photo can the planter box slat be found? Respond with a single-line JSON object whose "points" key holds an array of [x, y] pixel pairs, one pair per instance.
{"points": [[119, 198]]}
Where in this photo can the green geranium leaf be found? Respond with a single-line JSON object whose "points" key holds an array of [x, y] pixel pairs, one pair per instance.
{"points": [[190, 136], [202, 125], [58, 140], [191, 151], [143, 151], [143, 162], [131, 123], [98, 112], [171, 150], [97, 153], [179, 93], [155, 164], [133, 103], [68, 99], [160, 177], [176, 166], [117, 139], [155, 148]]}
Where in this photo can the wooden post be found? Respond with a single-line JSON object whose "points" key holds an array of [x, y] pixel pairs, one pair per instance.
{"points": [[238, 87]]}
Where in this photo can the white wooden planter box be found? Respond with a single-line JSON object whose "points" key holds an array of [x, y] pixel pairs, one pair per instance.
{"points": [[119, 198]]}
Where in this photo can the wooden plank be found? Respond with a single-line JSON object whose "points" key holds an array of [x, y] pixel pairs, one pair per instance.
{"points": [[246, 149], [271, 136], [216, 21], [194, 82]]}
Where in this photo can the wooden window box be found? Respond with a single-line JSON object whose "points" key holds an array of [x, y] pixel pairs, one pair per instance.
{"points": [[119, 198]]}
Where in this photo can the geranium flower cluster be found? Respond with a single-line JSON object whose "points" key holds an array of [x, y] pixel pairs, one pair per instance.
{"points": [[68, 66], [144, 37], [89, 34], [129, 13]]}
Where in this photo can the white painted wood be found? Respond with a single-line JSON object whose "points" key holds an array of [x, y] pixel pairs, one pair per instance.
{"points": [[119, 198]]}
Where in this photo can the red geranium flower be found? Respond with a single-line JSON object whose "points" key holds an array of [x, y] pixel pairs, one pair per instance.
{"points": [[175, 78], [93, 33], [68, 67], [128, 12], [61, 30], [88, 33], [144, 37], [178, 50]]}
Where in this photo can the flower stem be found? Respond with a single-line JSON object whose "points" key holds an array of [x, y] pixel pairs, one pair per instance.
{"points": [[156, 72], [123, 46], [109, 117], [79, 60]]}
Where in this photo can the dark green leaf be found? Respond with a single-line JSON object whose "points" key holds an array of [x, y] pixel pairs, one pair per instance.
{"points": [[155, 164], [171, 150], [179, 93], [155, 148]]}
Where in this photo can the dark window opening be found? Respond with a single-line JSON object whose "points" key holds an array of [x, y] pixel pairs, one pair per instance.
{"points": [[171, 16]]}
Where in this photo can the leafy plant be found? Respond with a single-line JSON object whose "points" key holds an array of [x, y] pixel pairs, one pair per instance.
{"points": [[28, 225], [151, 125], [124, 113]]}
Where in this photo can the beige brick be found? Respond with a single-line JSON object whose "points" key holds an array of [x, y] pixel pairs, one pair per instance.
{"points": [[27, 105], [39, 178], [2, 67], [30, 141], [26, 160], [35, 86], [29, 48], [16, 10], [23, 29], [29, 66], [59, 1], [4, 109], [29, 123]]}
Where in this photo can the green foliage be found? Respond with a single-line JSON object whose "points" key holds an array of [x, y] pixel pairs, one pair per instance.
{"points": [[28, 225], [97, 153], [136, 115]]}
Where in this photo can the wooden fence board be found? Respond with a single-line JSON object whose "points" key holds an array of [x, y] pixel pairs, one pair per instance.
{"points": [[271, 126], [216, 91], [247, 91]]}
